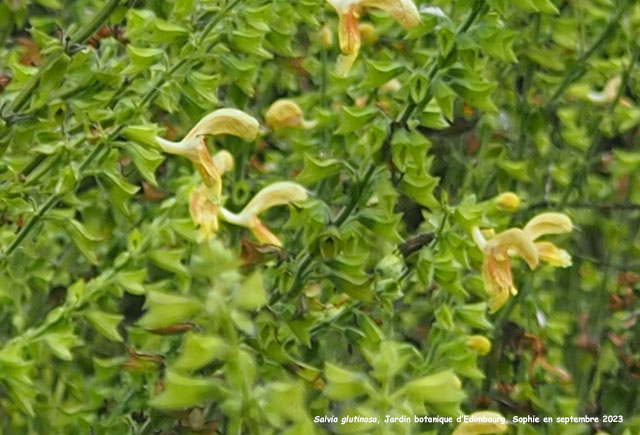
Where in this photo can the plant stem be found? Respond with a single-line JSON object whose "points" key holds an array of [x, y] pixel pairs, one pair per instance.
{"points": [[99, 148], [82, 35], [578, 175], [92, 27], [580, 66]]}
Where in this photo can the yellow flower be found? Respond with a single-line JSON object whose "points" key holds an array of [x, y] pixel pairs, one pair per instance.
{"points": [[496, 267], [508, 201], [278, 193], [203, 205], [479, 343], [368, 32], [608, 94], [286, 113], [404, 11], [204, 212], [192, 146], [481, 423], [390, 87]]}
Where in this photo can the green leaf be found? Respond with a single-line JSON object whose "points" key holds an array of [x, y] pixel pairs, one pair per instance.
{"points": [[315, 169], [141, 58], [164, 309], [251, 294], [344, 384], [354, 118], [169, 259], [131, 280], [119, 190], [146, 161], [60, 341], [105, 323], [380, 72], [442, 387], [83, 239], [185, 392], [199, 350]]}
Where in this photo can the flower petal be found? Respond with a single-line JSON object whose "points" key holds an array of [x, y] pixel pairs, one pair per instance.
{"points": [[187, 148], [548, 223], [203, 212], [279, 193], [497, 277], [519, 242], [550, 253], [223, 161], [226, 121], [405, 12], [263, 235]]}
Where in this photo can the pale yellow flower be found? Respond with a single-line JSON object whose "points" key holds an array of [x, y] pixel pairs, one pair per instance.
{"points": [[608, 93], [404, 11], [482, 423], [508, 201], [286, 113], [390, 87], [479, 343], [368, 32], [192, 146], [496, 267], [279, 193]]}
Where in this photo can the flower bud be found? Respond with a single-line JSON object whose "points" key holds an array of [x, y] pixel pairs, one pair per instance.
{"points": [[508, 201], [286, 113], [479, 343], [368, 32], [325, 36]]}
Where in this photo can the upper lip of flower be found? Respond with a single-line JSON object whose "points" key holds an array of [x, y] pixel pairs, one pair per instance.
{"points": [[404, 12], [278, 193]]}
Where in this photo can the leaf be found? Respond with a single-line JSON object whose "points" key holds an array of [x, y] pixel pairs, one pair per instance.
{"points": [[442, 387], [315, 169], [164, 309], [251, 294], [146, 161], [380, 72], [419, 186], [344, 384], [141, 58], [119, 190], [131, 280], [199, 350], [474, 315], [185, 392], [169, 259], [354, 118], [83, 239], [105, 323], [61, 341]]}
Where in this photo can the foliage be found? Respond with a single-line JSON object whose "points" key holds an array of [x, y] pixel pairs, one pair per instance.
{"points": [[117, 315]]}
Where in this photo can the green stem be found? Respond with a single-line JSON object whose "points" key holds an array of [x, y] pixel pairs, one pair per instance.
{"points": [[98, 149], [578, 175], [44, 208], [98, 20], [580, 66], [81, 36]]}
